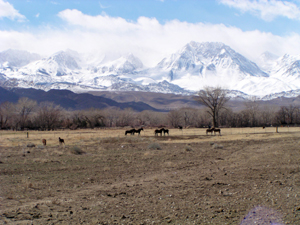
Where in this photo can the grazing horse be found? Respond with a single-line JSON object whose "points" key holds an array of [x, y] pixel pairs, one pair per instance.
{"points": [[139, 131], [156, 132], [210, 130], [217, 130], [61, 141], [165, 131], [131, 132], [44, 141]]}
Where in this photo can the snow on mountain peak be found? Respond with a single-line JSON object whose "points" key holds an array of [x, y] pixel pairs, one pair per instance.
{"points": [[17, 58], [190, 68], [123, 65], [207, 61]]}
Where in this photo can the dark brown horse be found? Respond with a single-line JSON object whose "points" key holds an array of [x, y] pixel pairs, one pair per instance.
{"points": [[209, 130], [138, 131], [131, 132], [44, 141], [159, 131], [217, 130], [61, 141], [166, 131]]}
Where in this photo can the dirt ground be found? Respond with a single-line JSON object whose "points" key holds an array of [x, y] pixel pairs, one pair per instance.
{"points": [[105, 177]]}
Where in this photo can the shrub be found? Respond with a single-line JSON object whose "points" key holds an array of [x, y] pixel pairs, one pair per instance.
{"points": [[188, 149], [154, 146], [76, 150], [216, 146], [30, 145]]}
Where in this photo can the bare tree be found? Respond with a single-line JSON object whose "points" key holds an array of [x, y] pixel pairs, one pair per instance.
{"points": [[282, 115], [47, 116], [291, 111], [188, 115], [24, 108], [157, 119], [252, 108], [174, 118], [143, 118], [201, 118], [93, 117], [214, 98], [267, 115], [125, 118], [6, 114]]}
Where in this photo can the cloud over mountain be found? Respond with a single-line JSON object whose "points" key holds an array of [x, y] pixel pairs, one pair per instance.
{"points": [[147, 38]]}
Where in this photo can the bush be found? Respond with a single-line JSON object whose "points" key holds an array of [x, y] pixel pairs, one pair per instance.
{"points": [[154, 146], [216, 146], [77, 151], [188, 149], [30, 145]]}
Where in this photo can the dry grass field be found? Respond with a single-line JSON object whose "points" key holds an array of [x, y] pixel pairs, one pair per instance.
{"points": [[244, 176]]}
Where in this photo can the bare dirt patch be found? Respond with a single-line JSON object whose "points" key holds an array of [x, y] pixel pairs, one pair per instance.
{"points": [[190, 179]]}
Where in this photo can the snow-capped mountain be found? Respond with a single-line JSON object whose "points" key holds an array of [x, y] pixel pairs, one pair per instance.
{"points": [[16, 58], [204, 64], [184, 72], [209, 59], [123, 65], [59, 64]]}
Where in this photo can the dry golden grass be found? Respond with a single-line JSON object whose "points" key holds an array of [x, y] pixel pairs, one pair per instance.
{"points": [[90, 136]]}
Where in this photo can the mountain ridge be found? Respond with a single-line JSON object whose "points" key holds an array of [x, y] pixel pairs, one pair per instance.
{"points": [[70, 100], [186, 71]]}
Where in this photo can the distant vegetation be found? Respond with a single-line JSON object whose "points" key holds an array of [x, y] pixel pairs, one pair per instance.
{"points": [[27, 114]]}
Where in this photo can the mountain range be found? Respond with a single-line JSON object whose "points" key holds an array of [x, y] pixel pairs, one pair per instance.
{"points": [[70, 100], [184, 72]]}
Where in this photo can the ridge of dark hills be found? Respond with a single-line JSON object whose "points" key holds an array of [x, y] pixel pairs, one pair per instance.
{"points": [[7, 96], [168, 102], [138, 101], [70, 100]]}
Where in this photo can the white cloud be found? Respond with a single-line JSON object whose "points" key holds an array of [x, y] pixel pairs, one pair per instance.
{"points": [[266, 9], [7, 10], [37, 15], [146, 38]]}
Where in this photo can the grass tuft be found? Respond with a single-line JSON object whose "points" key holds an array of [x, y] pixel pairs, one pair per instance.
{"points": [[188, 148], [216, 146], [154, 146], [76, 150]]}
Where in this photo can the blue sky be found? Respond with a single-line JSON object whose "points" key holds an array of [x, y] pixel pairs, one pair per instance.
{"points": [[150, 29]]}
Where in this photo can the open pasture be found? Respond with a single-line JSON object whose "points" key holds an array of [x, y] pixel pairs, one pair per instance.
{"points": [[89, 136], [104, 177]]}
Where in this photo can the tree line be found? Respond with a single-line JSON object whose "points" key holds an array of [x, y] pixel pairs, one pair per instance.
{"points": [[28, 114]]}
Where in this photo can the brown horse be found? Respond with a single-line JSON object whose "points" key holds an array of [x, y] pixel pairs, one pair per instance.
{"points": [[156, 132], [217, 130], [131, 132], [44, 141], [165, 131], [138, 131], [209, 130], [61, 141]]}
